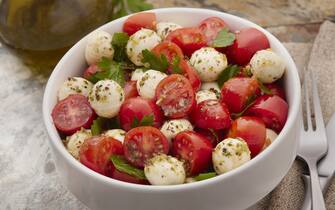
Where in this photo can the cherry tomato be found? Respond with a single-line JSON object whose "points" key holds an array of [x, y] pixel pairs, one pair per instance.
{"points": [[92, 69], [188, 39], [72, 113], [247, 42], [138, 108], [215, 136], [190, 74], [96, 151], [250, 129], [210, 27], [194, 149], [169, 49], [271, 109], [237, 91], [142, 143], [275, 89], [175, 96], [116, 174], [130, 89], [135, 22], [211, 114]]}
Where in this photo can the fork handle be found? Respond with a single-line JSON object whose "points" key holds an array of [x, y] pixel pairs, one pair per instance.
{"points": [[318, 202]]}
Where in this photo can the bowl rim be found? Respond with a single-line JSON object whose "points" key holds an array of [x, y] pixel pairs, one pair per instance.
{"points": [[292, 115]]}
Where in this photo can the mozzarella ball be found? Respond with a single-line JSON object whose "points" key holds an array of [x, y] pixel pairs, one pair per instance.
{"points": [[172, 127], [117, 134], [230, 154], [164, 28], [74, 85], [267, 66], [209, 63], [99, 44], [137, 74], [164, 170], [146, 85], [203, 95], [270, 137], [211, 86], [141, 40], [75, 141], [106, 98]]}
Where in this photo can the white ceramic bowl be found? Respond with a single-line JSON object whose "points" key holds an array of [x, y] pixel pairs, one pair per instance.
{"points": [[237, 189]]}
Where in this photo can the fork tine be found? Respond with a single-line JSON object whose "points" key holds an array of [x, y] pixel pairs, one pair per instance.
{"points": [[319, 123], [307, 102]]}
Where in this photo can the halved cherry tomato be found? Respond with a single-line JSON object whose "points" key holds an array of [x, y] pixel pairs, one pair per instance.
{"points": [[247, 42], [215, 136], [116, 174], [130, 90], [188, 39], [140, 20], [190, 74], [237, 91], [92, 69], [211, 27], [142, 143], [73, 113], [271, 109], [175, 96], [138, 108], [194, 149], [275, 89], [169, 49], [211, 114], [250, 129], [96, 151]]}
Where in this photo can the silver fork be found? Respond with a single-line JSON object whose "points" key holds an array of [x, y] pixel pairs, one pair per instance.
{"points": [[313, 142]]}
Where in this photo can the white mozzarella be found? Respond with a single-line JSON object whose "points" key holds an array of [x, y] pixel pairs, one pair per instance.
{"points": [[267, 66], [75, 141], [117, 134], [99, 44], [209, 63], [172, 127], [164, 170], [203, 95], [147, 84], [271, 135], [74, 85], [211, 86], [137, 74], [139, 41], [230, 154], [164, 28], [106, 98]]}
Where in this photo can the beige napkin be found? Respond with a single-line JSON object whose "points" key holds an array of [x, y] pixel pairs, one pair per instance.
{"points": [[320, 58]]}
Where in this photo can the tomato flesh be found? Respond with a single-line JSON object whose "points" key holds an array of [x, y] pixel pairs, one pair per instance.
{"points": [[190, 73], [91, 70], [138, 21], [169, 49], [142, 143], [116, 174], [272, 110], [194, 149], [175, 96], [73, 113], [250, 129], [214, 136], [130, 90], [210, 27]]}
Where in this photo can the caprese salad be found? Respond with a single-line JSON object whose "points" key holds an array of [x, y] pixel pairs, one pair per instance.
{"points": [[164, 104]]}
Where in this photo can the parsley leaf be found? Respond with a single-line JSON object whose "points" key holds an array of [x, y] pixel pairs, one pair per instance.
{"points": [[224, 38], [96, 127], [110, 70], [119, 43], [155, 62], [175, 65], [125, 7], [230, 72], [121, 164], [100, 124], [264, 89], [204, 176], [250, 101], [147, 120]]}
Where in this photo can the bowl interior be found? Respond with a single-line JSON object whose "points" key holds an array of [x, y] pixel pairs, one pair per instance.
{"points": [[73, 64]]}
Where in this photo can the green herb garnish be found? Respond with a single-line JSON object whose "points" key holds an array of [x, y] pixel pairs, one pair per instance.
{"points": [[175, 65], [250, 101], [100, 124], [147, 120], [119, 44], [229, 72], [224, 38], [121, 164], [155, 62], [264, 89], [204, 176]]}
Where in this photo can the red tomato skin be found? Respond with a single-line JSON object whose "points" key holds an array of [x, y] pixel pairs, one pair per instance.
{"points": [[211, 27], [275, 88], [118, 175], [188, 39], [130, 90], [272, 110], [96, 151], [61, 117], [214, 136], [211, 114], [252, 130], [236, 92], [247, 42], [89, 71], [138, 21], [139, 107], [200, 148], [191, 74], [146, 141], [169, 49]]}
